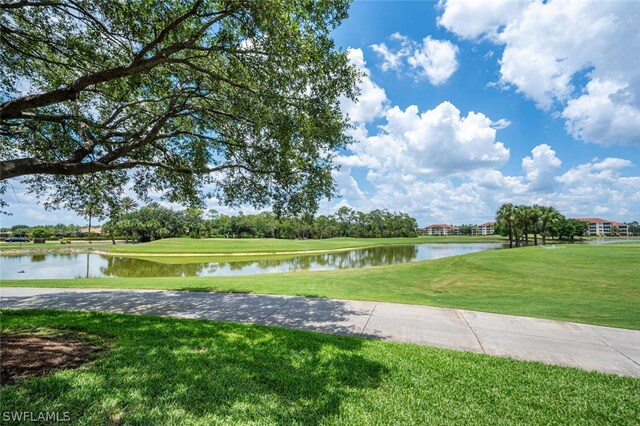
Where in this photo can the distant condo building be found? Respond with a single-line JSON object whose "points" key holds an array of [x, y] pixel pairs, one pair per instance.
{"points": [[440, 229], [604, 228], [486, 228]]}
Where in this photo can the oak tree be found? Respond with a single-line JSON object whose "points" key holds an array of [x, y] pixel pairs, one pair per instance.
{"points": [[231, 98]]}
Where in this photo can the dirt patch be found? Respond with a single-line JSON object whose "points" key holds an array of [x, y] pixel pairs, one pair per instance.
{"points": [[29, 355]]}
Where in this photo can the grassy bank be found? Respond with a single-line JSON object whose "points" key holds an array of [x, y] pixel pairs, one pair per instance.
{"points": [[589, 284], [169, 371], [55, 246], [270, 245]]}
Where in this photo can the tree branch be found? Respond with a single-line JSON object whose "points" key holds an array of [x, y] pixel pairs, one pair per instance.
{"points": [[26, 3], [13, 108], [166, 30]]}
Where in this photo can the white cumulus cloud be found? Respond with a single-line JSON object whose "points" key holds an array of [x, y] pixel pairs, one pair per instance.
{"points": [[540, 169], [372, 100], [473, 18], [435, 60], [578, 56], [604, 114], [431, 59], [436, 142]]}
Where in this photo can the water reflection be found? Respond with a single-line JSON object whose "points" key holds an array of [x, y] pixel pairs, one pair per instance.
{"points": [[81, 265], [612, 241]]}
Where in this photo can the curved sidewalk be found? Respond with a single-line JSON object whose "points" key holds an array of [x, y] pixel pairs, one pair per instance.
{"points": [[589, 347]]}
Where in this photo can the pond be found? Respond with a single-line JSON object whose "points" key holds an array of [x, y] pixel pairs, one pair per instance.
{"points": [[611, 241], [85, 265]]}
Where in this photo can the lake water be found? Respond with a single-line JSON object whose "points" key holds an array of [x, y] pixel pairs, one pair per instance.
{"points": [[611, 241], [84, 265]]}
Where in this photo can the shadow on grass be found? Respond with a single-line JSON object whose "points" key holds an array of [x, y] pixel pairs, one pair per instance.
{"points": [[163, 371]]}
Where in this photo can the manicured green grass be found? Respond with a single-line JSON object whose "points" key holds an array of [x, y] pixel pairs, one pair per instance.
{"points": [[55, 245], [588, 284], [188, 372], [269, 245]]}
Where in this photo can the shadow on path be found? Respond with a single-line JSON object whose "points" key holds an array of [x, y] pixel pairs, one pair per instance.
{"points": [[323, 315]]}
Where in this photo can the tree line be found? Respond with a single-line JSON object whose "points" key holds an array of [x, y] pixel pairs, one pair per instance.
{"points": [[154, 221], [518, 222]]}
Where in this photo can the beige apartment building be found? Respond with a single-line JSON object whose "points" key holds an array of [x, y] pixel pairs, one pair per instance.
{"points": [[598, 227], [487, 228], [440, 229]]}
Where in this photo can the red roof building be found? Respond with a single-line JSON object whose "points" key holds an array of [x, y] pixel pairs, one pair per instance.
{"points": [[440, 229], [486, 228], [598, 227]]}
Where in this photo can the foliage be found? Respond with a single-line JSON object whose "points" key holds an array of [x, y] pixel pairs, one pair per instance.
{"points": [[40, 233], [178, 371], [154, 221], [568, 229], [19, 230], [466, 229], [232, 98], [517, 222]]}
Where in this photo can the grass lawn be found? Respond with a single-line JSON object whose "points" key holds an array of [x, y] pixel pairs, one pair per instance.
{"points": [[188, 372], [55, 245], [580, 283], [269, 245]]}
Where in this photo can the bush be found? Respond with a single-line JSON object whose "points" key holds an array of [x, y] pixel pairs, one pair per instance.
{"points": [[40, 233]]}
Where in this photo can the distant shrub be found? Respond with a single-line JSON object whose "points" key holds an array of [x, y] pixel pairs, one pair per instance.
{"points": [[40, 233]]}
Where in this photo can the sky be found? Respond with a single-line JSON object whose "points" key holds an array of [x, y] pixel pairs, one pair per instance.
{"points": [[468, 104]]}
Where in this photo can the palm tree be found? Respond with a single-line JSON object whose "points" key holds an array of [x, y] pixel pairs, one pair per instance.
{"points": [[127, 204], [524, 218], [548, 216], [90, 211], [506, 216], [535, 220]]}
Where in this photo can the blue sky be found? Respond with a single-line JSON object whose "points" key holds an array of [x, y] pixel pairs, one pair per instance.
{"points": [[467, 104]]}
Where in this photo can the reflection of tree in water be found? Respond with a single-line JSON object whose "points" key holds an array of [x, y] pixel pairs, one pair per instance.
{"points": [[84, 264], [130, 267], [123, 267], [361, 258]]}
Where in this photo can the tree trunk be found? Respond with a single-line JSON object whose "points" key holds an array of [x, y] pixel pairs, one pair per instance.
{"points": [[89, 231]]}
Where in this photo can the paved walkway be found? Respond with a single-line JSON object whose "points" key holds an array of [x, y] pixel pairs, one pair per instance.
{"points": [[605, 349]]}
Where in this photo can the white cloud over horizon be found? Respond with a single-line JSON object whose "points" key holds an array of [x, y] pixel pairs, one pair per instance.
{"points": [[441, 165]]}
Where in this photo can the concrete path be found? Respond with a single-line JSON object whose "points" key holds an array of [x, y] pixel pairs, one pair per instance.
{"points": [[605, 349]]}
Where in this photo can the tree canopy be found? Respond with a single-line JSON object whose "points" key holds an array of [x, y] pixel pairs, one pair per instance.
{"points": [[518, 221], [231, 98], [154, 221]]}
